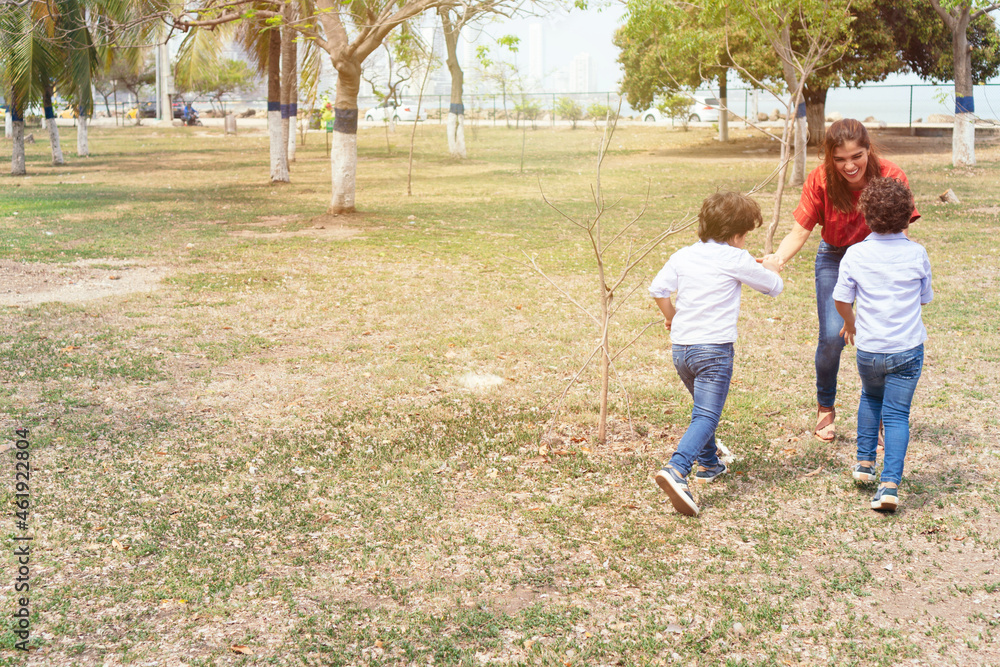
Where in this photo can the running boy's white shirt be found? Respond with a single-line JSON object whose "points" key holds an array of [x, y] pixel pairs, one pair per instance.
{"points": [[707, 277], [890, 276]]}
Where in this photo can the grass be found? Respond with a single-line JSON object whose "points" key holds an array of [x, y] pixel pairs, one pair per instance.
{"points": [[275, 449]]}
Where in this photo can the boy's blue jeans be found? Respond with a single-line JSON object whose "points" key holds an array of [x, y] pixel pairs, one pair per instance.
{"points": [[830, 343], [887, 384], [706, 371]]}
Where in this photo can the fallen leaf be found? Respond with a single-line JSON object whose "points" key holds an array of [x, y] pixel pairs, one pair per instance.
{"points": [[528, 643], [243, 650], [958, 538], [118, 545], [814, 472], [562, 452], [585, 450]]}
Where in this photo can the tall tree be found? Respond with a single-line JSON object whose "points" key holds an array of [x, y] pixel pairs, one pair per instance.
{"points": [[958, 15], [349, 31], [669, 46], [454, 18]]}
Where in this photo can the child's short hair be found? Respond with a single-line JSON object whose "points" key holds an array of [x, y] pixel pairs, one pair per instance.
{"points": [[887, 205], [727, 214]]}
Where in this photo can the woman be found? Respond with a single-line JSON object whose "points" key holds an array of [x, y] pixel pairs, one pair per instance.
{"points": [[830, 199]]}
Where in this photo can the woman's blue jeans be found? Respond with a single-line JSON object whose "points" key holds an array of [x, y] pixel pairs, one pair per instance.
{"points": [[706, 371], [830, 344], [888, 381]]}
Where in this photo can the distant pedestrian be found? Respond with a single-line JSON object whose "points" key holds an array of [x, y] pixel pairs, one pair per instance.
{"points": [[888, 276], [707, 278]]}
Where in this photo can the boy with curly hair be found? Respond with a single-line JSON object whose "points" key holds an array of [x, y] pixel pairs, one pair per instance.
{"points": [[888, 277]]}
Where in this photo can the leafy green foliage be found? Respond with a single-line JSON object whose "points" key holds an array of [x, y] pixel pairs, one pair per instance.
{"points": [[569, 109]]}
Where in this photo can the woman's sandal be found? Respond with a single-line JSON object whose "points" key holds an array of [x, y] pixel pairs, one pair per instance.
{"points": [[825, 431]]}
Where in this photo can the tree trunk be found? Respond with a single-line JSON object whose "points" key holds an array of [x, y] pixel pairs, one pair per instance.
{"points": [[815, 113], [57, 154], [50, 123], [82, 143], [17, 167], [772, 228], [344, 142], [602, 425], [456, 109], [279, 167], [8, 126], [287, 67], [963, 140], [293, 102], [724, 110]]}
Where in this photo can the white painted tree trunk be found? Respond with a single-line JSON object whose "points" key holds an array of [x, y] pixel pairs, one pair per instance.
{"points": [[724, 120], [343, 168], [17, 167], [57, 154], [82, 143], [293, 124], [456, 135], [8, 127], [799, 162], [279, 168], [963, 140]]}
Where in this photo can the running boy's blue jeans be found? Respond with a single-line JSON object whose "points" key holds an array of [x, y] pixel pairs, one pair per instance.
{"points": [[830, 343], [706, 371], [888, 381]]}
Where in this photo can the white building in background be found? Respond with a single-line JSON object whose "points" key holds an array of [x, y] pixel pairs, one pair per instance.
{"points": [[536, 56], [581, 76]]}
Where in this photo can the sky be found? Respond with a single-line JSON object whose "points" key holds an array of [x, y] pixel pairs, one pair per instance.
{"points": [[565, 34]]}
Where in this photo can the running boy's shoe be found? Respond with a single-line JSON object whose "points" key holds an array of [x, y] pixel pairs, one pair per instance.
{"points": [[706, 475], [886, 499], [863, 473], [677, 490]]}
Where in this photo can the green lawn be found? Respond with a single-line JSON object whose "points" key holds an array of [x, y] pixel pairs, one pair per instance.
{"points": [[279, 448]]}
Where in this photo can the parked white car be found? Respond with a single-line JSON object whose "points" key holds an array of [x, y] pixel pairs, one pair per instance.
{"points": [[388, 110], [701, 110]]}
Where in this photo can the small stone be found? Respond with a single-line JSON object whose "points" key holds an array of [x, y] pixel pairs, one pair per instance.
{"points": [[739, 629]]}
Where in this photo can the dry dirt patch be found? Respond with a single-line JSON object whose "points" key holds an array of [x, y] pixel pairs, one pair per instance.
{"points": [[29, 284]]}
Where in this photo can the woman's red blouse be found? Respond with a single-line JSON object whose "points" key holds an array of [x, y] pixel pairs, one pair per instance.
{"points": [[839, 228]]}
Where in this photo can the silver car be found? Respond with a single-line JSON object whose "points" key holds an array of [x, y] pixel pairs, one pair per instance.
{"points": [[390, 110], [701, 110]]}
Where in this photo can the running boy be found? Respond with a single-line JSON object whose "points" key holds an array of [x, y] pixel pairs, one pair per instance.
{"points": [[707, 278], [889, 277]]}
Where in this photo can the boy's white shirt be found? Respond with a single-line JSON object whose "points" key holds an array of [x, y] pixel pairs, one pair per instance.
{"points": [[708, 277]]}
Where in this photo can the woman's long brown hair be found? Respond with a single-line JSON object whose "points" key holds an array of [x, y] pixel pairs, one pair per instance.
{"points": [[838, 134]]}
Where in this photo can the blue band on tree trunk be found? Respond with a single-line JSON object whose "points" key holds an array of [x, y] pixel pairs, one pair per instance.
{"points": [[457, 109], [800, 111], [345, 121], [965, 104], [49, 113], [293, 109], [16, 116], [284, 111], [273, 106]]}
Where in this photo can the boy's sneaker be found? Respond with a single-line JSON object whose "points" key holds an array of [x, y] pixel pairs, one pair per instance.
{"points": [[677, 490], [706, 475], [863, 473], [886, 499]]}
